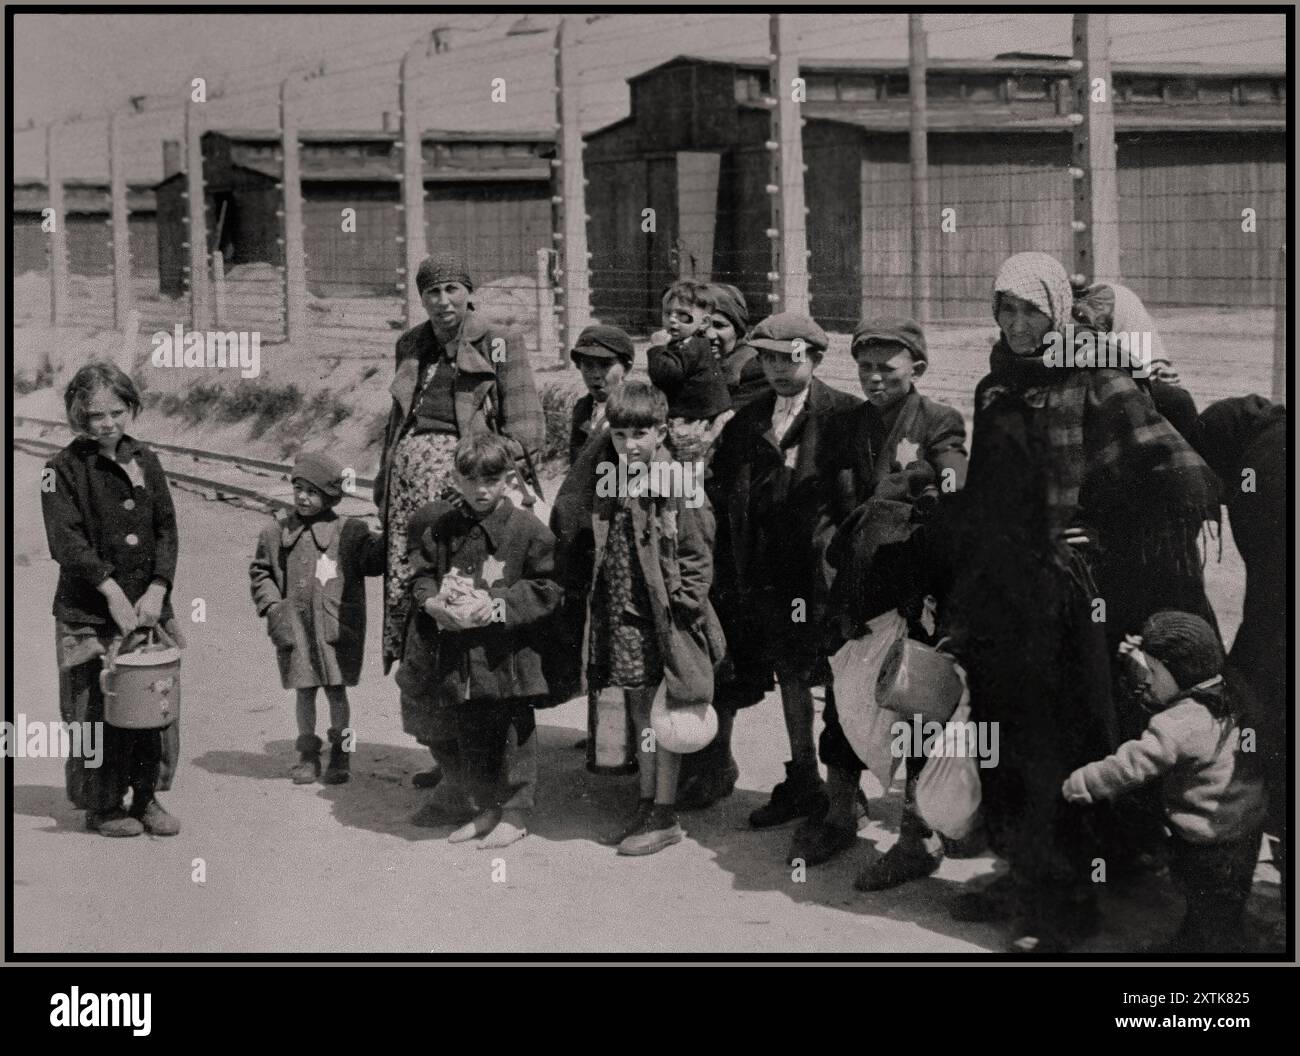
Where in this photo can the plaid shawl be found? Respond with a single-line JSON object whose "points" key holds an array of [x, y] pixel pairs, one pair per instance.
{"points": [[1103, 429]]}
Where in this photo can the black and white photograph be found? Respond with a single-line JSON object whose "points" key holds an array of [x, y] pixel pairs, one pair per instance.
{"points": [[625, 484]]}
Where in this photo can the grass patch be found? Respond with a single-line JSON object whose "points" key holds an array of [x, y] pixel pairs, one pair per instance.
{"points": [[557, 408]]}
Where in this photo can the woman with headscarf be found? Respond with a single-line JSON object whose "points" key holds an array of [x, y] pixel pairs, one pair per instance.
{"points": [[1069, 467], [456, 375], [1110, 307]]}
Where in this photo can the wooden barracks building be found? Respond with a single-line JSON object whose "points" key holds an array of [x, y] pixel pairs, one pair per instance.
{"points": [[488, 196], [1196, 145]]}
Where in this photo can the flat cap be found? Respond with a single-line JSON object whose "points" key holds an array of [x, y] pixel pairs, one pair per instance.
{"points": [[905, 332], [780, 332], [603, 342]]}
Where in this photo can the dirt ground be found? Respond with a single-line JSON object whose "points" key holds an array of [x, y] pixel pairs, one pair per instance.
{"points": [[322, 870]]}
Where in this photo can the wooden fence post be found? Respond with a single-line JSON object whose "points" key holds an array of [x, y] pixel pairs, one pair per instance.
{"points": [[1096, 191], [789, 218], [917, 60], [197, 243], [546, 309], [1281, 292], [412, 177], [58, 235], [120, 221], [569, 187], [294, 264]]}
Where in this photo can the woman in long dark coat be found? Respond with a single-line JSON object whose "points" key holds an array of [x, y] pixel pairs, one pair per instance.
{"points": [[1073, 475]]}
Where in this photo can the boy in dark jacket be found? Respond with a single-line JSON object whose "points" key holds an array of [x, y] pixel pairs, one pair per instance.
{"points": [[886, 460], [483, 593], [690, 373], [603, 354], [308, 580], [766, 490]]}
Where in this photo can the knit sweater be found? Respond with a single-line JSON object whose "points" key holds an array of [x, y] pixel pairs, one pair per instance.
{"points": [[1212, 791]]}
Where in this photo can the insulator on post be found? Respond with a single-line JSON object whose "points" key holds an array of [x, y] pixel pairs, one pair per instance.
{"points": [[1078, 279], [401, 238], [279, 212], [772, 232], [557, 199], [772, 144], [772, 188], [1074, 64], [557, 236], [1076, 172], [774, 297], [185, 245], [768, 101], [1076, 119], [556, 163], [400, 207], [773, 276], [1077, 226]]}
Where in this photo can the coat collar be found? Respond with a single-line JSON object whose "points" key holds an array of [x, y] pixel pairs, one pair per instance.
{"points": [[464, 350], [496, 525], [128, 445], [323, 529]]}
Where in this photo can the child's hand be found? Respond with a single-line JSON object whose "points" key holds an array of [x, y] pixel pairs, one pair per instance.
{"points": [[119, 607], [148, 609], [480, 611], [1074, 789]]}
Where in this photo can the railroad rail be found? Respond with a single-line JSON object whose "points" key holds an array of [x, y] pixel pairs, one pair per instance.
{"points": [[224, 485]]}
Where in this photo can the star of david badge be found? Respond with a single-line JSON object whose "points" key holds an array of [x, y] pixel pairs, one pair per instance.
{"points": [[907, 452], [326, 569], [493, 570]]}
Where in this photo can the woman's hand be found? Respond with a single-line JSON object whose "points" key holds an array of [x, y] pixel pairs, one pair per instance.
{"points": [[148, 609], [119, 606]]}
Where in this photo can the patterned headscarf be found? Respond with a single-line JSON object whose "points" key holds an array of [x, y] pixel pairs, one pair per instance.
{"points": [[442, 267], [1039, 279]]}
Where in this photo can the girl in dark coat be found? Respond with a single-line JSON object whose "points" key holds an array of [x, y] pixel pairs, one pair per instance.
{"points": [[1073, 474], [111, 527]]}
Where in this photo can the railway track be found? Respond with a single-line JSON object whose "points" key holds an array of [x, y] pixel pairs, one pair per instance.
{"points": [[254, 482]]}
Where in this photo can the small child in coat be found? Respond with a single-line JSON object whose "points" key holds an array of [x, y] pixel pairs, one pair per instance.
{"points": [[687, 368], [650, 614], [1211, 782], [484, 593], [308, 580]]}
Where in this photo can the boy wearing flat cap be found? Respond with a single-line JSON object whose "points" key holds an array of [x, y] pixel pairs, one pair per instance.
{"points": [[766, 490], [886, 461], [308, 580], [603, 354]]}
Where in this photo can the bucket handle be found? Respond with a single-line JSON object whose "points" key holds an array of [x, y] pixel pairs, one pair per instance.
{"points": [[149, 635]]}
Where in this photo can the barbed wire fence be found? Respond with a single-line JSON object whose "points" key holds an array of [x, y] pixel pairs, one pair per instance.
{"points": [[296, 201]]}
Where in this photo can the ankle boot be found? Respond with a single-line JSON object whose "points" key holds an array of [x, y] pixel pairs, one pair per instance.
{"points": [[307, 769], [339, 769]]}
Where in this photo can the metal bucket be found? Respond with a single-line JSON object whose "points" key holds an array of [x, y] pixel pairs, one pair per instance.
{"points": [[141, 681], [919, 679]]}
